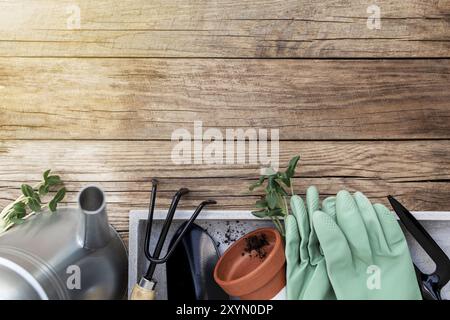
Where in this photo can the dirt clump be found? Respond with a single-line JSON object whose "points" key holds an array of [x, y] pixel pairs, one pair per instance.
{"points": [[255, 246]]}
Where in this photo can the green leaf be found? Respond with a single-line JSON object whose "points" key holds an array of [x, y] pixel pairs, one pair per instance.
{"points": [[278, 187], [46, 174], [52, 205], [27, 190], [260, 213], [19, 209], [272, 199], [290, 171], [19, 206], [53, 180], [36, 197], [261, 203], [271, 183], [284, 179], [258, 183], [34, 205], [277, 212], [59, 195], [43, 189], [282, 193]]}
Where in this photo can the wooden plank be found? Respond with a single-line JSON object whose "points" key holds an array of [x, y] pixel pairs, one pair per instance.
{"points": [[230, 28], [150, 98], [426, 195], [121, 161], [418, 172]]}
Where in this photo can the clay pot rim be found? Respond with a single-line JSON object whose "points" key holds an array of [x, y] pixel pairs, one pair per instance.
{"points": [[269, 259]]}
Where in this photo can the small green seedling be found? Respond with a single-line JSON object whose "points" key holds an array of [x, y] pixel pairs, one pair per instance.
{"points": [[30, 202], [274, 204]]}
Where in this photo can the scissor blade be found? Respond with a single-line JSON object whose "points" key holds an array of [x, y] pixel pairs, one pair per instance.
{"points": [[425, 240]]}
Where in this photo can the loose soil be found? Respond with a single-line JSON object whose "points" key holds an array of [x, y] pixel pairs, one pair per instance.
{"points": [[254, 246]]}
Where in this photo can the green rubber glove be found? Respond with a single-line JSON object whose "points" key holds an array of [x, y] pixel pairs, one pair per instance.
{"points": [[366, 253], [306, 275]]}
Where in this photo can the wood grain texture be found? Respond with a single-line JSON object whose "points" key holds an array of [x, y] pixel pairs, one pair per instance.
{"points": [[149, 98], [99, 104], [224, 28], [417, 172]]}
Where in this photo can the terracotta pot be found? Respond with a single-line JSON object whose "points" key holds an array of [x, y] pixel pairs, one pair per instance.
{"points": [[251, 277]]}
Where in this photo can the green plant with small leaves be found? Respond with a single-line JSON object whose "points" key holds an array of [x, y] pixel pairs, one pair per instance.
{"points": [[30, 202], [274, 204]]}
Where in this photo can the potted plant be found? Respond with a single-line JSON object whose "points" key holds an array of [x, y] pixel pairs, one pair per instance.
{"points": [[254, 266]]}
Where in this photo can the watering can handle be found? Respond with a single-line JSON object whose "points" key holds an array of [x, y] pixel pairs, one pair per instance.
{"points": [[140, 293]]}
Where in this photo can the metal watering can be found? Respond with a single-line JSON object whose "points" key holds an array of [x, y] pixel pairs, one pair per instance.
{"points": [[69, 254]]}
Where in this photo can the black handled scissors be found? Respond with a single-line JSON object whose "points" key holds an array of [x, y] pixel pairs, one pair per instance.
{"points": [[431, 284]]}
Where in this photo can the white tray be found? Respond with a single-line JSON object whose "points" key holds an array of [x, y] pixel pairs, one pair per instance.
{"points": [[227, 226]]}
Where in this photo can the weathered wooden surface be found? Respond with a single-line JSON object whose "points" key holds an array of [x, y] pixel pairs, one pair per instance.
{"points": [[99, 104], [149, 98], [417, 172], [217, 28]]}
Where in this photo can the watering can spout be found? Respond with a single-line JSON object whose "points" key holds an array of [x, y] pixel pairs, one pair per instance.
{"points": [[96, 232]]}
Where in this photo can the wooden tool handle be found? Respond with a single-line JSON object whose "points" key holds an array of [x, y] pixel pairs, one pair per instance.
{"points": [[140, 293]]}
